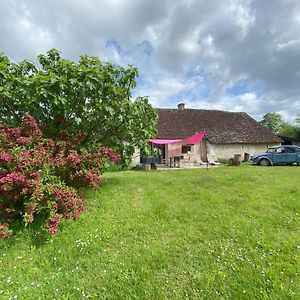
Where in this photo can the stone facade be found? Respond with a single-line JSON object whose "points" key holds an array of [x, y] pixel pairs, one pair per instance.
{"points": [[193, 156], [199, 153], [226, 151]]}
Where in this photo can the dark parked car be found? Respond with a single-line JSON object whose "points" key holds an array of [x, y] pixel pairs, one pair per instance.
{"points": [[278, 155]]}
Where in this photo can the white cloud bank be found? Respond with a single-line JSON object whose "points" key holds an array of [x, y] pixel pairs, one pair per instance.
{"points": [[231, 55]]}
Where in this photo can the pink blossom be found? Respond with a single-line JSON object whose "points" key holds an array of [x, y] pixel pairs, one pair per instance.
{"points": [[10, 178], [23, 140], [6, 157], [35, 177], [31, 127]]}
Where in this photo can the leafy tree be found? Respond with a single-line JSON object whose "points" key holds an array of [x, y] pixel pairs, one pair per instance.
{"points": [[88, 95], [287, 130], [273, 121], [291, 131], [297, 120]]}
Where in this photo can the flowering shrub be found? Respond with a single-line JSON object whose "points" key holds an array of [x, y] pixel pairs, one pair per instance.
{"points": [[40, 177]]}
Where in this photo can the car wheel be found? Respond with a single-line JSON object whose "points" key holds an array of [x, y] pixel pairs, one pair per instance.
{"points": [[264, 162]]}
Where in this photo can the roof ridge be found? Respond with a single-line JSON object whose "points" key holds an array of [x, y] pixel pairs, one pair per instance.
{"points": [[201, 109]]}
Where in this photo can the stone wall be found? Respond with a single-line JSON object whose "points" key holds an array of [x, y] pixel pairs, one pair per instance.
{"points": [[226, 151], [175, 150]]}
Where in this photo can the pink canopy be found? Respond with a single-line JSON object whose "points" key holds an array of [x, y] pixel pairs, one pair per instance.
{"points": [[194, 139]]}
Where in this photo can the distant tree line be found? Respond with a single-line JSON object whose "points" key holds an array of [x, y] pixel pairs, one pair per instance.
{"points": [[274, 121]]}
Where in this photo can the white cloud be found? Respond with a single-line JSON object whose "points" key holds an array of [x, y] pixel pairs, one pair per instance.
{"points": [[190, 50]]}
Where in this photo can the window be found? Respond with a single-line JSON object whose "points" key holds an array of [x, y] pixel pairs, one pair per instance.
{"points": [[289, 150], [186, 148], [271, 150]]}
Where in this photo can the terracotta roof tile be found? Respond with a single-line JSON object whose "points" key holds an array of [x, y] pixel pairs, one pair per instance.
{"points": [[221, 127]]}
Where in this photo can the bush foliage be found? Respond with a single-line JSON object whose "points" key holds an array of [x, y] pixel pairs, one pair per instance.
{"points": [[40, 177], [87, 94]]}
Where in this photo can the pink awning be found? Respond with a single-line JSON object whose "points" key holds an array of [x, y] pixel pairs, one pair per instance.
{"points": [[194, 139]]}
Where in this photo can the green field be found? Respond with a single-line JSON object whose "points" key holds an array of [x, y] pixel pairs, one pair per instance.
{"points": [[225, 233]]}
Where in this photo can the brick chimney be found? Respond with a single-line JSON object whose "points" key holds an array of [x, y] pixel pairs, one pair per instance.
{"points": [[180, 106]]}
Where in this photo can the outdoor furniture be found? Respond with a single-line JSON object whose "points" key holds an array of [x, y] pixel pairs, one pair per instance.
{"points": [[175, 161]]}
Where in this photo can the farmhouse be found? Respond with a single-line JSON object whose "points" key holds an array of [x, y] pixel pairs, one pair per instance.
{"points": [[226, 134]]}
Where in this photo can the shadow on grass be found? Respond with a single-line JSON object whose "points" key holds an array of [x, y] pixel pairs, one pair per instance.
{"points": [[108, 183], [36, 233]]}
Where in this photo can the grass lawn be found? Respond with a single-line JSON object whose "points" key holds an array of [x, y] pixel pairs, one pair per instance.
{"points": [[226, 233]]}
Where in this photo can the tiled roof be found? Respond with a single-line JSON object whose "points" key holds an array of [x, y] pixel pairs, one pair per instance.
{"points": [[221, 127]]}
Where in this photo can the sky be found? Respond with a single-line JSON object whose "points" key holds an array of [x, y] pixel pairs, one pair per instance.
{"points": [[233, 55]]}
